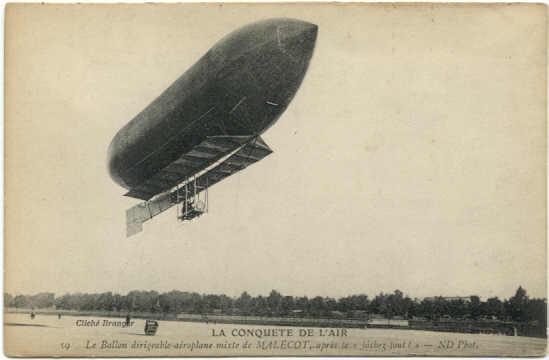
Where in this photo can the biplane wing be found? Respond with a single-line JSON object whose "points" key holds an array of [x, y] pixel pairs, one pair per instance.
{"points": [[208, 163], [200, 157]]}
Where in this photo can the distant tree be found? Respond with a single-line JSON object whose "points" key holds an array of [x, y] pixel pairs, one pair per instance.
{"points": [[317, 306], [193, 303], [475, 307], [105, 301], [143, 301], [413, 308], [8, 300], [440, 308], [516, 305], [360, 302], [303, 304], [274, 301], [287, 305], [397, 304], [225, 304], [118, 302], [378, 305], [330, 305], [63, 302], [20, 301], [536, 311], [426, 309], [244, 303], [345, 304], [494, 307], [209, 303], [457, 308], [260, 306]]}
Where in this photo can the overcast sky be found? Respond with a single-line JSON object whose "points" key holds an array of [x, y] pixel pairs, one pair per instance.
{"points": [[411, 158]]}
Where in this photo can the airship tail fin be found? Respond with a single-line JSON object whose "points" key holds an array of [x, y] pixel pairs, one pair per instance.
{"points": [[247, 153]]}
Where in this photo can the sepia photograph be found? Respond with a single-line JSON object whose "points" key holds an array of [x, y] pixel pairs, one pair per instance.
{"points": [[275, 179]]}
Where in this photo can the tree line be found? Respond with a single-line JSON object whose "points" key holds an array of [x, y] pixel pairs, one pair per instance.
{"points": [[519, 307]]}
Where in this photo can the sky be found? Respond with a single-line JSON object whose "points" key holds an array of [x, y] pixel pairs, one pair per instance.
{"points": [[412, 157]]}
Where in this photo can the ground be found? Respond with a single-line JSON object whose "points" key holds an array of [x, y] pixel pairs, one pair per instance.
{"points": [[78, 336]]}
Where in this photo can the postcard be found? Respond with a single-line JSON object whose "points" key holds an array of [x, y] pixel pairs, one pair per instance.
{"points": [[283, 179]]}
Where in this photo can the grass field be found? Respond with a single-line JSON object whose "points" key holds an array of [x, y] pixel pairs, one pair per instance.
{"points": [[91, 336]]}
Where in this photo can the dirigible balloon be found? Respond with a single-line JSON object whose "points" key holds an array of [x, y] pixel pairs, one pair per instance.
{"points": [[207, 125]]}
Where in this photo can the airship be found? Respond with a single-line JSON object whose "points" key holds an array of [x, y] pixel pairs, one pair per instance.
{"points": [[207, 124]]}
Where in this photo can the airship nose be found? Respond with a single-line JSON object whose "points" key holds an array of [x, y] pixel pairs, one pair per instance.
{"points": [[297, 39], [289, 28]]}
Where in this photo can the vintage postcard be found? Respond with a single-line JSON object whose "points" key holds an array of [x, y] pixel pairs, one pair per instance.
{"points": [[275, 180]]}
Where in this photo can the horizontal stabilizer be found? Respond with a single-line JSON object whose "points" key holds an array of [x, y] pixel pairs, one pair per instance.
{"points": [[242, 157]]}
